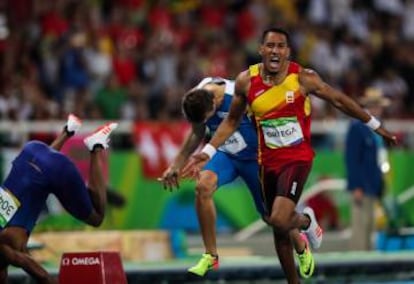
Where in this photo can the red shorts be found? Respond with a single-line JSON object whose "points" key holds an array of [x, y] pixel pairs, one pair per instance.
{"points": [[287, 181]]}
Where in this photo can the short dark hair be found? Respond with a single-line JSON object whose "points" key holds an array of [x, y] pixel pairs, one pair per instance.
{"points": [[196, 103], [275, 30]]}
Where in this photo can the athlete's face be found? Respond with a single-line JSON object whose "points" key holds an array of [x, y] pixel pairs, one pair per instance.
{"points": [[275, 52]]}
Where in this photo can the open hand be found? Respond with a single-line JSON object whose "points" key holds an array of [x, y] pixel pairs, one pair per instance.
{"points": [[169, 179], [194, 166], [389, 138]]}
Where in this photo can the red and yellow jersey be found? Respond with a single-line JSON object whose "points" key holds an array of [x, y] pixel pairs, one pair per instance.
{"points": [[282, 114]]}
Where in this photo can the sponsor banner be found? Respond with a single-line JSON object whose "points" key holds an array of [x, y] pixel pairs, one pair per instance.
{"points": [[91, 267]]}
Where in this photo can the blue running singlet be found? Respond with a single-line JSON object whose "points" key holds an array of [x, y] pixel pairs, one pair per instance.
{"points": [[38, 171], [238, 156]]}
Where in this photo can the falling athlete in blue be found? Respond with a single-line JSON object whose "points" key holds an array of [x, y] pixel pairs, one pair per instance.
{"points": [[40, 170]]}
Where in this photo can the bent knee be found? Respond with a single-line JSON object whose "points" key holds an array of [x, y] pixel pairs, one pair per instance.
{"points": [[206, 185], [94, 219], [279, 222]]}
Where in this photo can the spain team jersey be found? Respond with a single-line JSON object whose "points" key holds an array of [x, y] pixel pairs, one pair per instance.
{"points": [[282, 114], [242, 144]]}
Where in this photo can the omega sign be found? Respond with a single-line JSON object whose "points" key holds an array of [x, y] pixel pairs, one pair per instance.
{"points": [[80, 261]]}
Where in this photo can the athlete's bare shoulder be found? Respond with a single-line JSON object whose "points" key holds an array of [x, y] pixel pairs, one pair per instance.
{"points": [[242, 83], [244, 75], [307, 73], [309, 79]]}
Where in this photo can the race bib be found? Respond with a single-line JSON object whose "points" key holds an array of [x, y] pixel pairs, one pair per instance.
{"points": [[281, 132], [234, 144], [8, 206]]}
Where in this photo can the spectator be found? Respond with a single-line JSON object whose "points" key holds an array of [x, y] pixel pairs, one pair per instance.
{"points": [[183, 39], [111, 98], [364, 176]]}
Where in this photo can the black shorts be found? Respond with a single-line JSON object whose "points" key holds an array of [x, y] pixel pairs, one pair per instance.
{"points": [[289, 181]]}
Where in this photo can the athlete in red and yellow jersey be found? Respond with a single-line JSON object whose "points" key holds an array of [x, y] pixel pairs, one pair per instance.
{"points": [[282, 114], [277, 91]]}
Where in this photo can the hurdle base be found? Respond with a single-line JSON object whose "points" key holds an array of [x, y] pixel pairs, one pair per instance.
{"points": [[91, 267]]}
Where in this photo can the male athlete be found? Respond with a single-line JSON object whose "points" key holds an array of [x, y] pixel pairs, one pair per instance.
{"points": [[40, 170], [277, 91], [205, 106]]}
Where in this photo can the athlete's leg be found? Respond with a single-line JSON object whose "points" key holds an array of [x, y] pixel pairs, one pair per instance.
{"points": [[288, 185], [282, 193], [206, 210], [60, 140], [96, 143], [86, 204], [72, 125], [74, 195], [217, 172], [249, 172], [297, 240], [284, 250], [97, 184]]}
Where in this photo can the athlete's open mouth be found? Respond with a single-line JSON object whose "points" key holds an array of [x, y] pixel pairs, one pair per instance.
{"points": [[274, 62]]}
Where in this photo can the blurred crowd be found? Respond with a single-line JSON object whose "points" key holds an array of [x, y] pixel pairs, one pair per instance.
{"points": [[133, 59]]}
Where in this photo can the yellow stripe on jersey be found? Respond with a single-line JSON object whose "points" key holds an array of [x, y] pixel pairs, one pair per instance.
{"points": [[254, 70], [275, 97], [307, 106]]}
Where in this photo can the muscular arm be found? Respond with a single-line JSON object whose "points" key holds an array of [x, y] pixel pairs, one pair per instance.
{"points": [[192, 141], [313, 84], [170, 177], [237, 109], [24, 261]]}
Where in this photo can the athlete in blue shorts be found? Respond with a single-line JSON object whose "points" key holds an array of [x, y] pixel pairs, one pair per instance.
{"points": [[205, 106], [40, 170]]}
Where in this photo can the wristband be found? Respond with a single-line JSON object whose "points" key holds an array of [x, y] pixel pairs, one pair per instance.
{"points": [[209, 149], [373, 123]]}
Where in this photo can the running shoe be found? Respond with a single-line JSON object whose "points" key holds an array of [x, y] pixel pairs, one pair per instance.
{"points": [[73, 124], [306, 261], [206, 263], [314, 231], [100, 137]]}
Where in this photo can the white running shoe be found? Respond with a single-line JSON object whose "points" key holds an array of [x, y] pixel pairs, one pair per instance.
{"points": [[100, 136], [314, 231], [73, 124]]}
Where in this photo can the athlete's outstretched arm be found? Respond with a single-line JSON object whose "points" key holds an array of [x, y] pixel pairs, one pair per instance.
{"points": [[171, 175], [28, 264], [313, 84]]}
